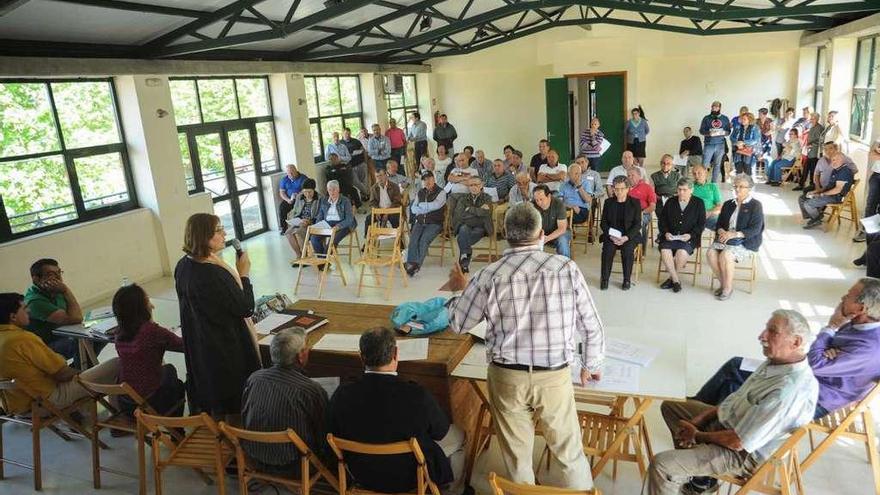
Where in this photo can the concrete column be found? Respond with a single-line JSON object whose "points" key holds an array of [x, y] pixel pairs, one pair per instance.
{"points": [[426, 84], [373, 98], [151, 136], [840, 61], [806, 82], [288, 93]]}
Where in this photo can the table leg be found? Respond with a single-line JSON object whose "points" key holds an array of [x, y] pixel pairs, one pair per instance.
{"points": [[633, 423], [88, 349], [476, 436]]}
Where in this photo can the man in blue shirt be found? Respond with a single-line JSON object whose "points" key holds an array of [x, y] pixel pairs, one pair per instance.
{"points": [[715, 128], [813, 203], [418, 134], [291, 185], [578, 191], [340, 148]]}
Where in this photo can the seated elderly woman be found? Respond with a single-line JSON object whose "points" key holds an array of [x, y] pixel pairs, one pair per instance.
{"points": [[336, 210], [681, 222], [621, 226], [738, 234], [305, 209]]}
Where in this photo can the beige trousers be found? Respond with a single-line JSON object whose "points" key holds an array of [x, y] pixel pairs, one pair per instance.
{"points": [[516, 399], [66, 393], [453, 446]]}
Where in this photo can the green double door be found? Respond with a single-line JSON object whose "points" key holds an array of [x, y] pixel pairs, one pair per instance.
{"points": [[610, 109]]}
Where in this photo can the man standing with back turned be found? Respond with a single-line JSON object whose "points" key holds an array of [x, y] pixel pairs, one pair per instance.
{"points": [[539, 314]]}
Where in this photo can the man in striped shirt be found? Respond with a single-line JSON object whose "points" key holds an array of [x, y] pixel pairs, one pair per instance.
{"points": [[282, 397], [539, 315]]}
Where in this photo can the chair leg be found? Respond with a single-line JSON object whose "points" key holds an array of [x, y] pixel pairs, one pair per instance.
{"points": [[361, 280], [96, 451], [2, 474], [35, 441], [322, 279], [299, 274], [870, 433]]}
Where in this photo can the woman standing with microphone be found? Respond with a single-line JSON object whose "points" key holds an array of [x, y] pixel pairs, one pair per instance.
{"points": [[216, 303]]}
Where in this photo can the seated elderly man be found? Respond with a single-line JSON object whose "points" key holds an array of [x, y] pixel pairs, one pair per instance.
{"points": [[666, 179], [283, 397], [845, 357], [499, 179], [51, 304], [522, 192], [344, 176], [627, 161], [37, 368], [822, 173], [516, 165], [738, 435], [428, 212], [429, 165], [814, 202], [471, 220], [402, 181], [578, 191], [336, 210], [643, 192], [552, 173], [384, 194], [554, 221], [459, 177], [288, 188], [362, 411]]}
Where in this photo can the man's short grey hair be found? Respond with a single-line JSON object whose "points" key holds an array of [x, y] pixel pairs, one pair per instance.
{"points": [[574, 167], [522, 223], [797, 326], [684, 181], [333, 184], [870, 296], [744, 179], [523, 175], [636, 169], [287, 345]]}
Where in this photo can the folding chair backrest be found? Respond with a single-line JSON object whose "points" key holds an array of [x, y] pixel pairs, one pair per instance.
{"points": [[100, 390], [501, 486], [236, 435], [4, 386], [161, 426], [394, 210], [341, 445]]}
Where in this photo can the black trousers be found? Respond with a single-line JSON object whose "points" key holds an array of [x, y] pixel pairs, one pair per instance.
{"points": [[627, 256], [872, 255], [166, 400], [283, 210], [420, 149], [809, 168]]}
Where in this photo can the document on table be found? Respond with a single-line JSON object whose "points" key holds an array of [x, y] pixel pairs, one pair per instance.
{"points": [[328, 383], [343, 342], [871, 224], [606, 144], [617, 376], [412, 349], [629, 352], [100, 313], [476, 356], [614, 232], [271, 322], [479, 331], [103, 327], [750, 364]]}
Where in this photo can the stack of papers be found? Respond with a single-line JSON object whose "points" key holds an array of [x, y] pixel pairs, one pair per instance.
{"points": [[271, 322], [629, 352], [617, 377]]}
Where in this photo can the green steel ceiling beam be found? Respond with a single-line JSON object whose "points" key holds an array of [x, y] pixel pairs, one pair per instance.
{"points": [[192, 27]]}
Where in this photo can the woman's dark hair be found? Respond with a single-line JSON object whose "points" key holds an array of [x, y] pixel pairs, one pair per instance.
{"points": [[9, 304], [507, 147], [200, 229], [641, 112], [443, 146], [131, 311]]}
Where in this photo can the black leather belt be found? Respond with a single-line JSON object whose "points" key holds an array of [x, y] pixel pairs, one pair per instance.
{"points": [[525, 367]]}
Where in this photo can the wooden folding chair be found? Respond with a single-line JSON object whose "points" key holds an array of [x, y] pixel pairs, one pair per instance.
{"points": [[203, 445], [776, 475], [695, 263], [853, 422], [352, 245], [340, 446], [44, 414], [581, 233], [247, 471], [376, 220], [444, 238], [119, 421], [375, 259], [794, 171], [747, 268], [845, 210], [485, 249], [501, 486], [321, 262], [638, 263]]}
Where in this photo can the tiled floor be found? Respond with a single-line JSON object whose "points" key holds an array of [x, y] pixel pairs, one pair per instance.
{"points": [[804, 270]]}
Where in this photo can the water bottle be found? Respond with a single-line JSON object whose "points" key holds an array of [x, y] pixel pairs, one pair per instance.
{"points": [[125, 282]]}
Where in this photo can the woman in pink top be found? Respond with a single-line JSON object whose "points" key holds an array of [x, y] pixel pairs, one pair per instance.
{"points": [[141, 344], [398, 142]]}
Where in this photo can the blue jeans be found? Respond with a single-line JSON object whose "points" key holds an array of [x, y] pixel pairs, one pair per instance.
{"points": [[727, 380], [319, 244], [467, 236], [744, 164], [420, 237], [563, 244], [813, 208], [774, 171], [713, 154]]}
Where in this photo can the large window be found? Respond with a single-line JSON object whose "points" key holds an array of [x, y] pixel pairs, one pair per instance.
{"points": [[819, 82], [334, 102], [62, 155], [227, 142], [400, 105], [864, 88]]}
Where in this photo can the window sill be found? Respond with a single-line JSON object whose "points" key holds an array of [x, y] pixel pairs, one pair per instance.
{"points": [[68, 228]]}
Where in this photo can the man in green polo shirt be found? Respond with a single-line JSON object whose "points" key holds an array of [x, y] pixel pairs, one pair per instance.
{"points": [[709, 193], [51, 304]]}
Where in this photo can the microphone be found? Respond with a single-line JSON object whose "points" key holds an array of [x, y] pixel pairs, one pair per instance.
{"points": [[236, 244]]}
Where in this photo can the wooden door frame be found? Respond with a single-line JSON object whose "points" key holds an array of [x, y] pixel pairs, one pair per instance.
{"points": [[594, 75]]}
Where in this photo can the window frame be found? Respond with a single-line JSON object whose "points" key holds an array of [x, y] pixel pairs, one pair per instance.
{"points": [[867, 93], [407, 109], [818, 77], [342, 116], [69, 156]]}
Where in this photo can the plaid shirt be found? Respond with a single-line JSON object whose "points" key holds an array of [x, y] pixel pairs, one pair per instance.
{"points": [[537, 308]]}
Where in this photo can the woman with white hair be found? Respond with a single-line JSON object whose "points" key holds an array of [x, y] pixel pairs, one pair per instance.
{"points": [[738, 234]]}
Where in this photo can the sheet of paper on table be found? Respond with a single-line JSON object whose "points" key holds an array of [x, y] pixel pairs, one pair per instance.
{"points": [[343, 342], [412, 349], [871, 224], [476, 356], [103, 327], [750, 364], [328, 383], [617, 376], [271, 322], [629, 352], [100, 313], [479, 331]]}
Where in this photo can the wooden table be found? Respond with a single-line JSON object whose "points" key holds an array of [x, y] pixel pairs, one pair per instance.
{"points": [[445, 349]]}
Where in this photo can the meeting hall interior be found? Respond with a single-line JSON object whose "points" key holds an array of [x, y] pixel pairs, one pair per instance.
{"points": [[439, 247]]}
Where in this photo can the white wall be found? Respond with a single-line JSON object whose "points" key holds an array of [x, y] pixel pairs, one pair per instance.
{"points": [[496, 96], [94, 256]]}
